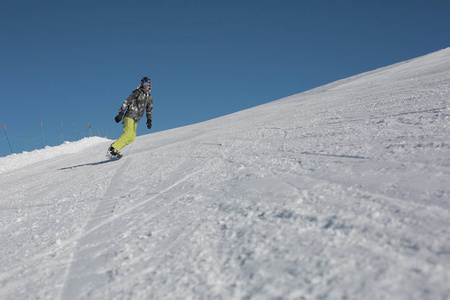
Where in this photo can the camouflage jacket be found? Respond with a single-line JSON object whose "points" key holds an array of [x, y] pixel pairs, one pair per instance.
{"points": [[139, 101]]}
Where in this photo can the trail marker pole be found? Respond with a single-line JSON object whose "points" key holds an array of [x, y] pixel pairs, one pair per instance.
{"points": [[7, 137], [42, 135], [62, 133], [76, 132]]}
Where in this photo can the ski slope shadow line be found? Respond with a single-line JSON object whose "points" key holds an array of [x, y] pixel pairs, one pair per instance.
{"points": [[88, 164], [334, 155], [102, 215]]}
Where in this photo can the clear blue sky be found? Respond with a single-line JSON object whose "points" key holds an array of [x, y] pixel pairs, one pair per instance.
{"points": [[77, 61]]}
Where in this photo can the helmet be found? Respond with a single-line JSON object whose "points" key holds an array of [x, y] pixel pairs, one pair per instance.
{"points": [[146, 79]]}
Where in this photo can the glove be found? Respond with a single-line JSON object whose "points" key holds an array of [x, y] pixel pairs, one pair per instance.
{"points": [[119, 117], [149, 124]]}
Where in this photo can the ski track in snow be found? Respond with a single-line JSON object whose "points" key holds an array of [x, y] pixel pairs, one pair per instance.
{"points": [[341, 192], [102, 217]]}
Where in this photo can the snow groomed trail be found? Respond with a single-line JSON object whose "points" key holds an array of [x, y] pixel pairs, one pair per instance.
{"points": [[341, 192]]}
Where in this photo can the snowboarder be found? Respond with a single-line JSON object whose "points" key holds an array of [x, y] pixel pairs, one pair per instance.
{"points": [[133, 108]]}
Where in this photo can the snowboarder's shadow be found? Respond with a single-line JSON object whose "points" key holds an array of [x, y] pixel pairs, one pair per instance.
{"points": [[89, 164]]}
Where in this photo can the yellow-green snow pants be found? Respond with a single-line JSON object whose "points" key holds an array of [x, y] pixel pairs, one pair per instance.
{"points": [[129, 134]]}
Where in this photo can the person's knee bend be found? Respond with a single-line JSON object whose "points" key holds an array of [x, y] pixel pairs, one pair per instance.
{"points": [[131, 139]]}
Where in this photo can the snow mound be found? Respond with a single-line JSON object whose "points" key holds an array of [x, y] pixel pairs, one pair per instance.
{"points": [[17, 161]]}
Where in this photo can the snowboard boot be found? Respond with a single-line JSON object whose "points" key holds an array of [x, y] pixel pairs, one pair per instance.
{"points": [[114, 153]]}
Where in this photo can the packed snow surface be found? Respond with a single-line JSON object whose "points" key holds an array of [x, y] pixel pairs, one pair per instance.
{"points": [[341, 192]]}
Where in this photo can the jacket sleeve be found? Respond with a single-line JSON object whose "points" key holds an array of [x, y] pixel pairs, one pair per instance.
{"points": [[127, 102], [149, 108]]}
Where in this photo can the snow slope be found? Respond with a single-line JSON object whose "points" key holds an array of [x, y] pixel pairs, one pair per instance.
{"points": [[341, 192]]}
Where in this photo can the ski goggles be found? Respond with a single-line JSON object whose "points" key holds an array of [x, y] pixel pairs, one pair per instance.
{"points": [[146, 84]]}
